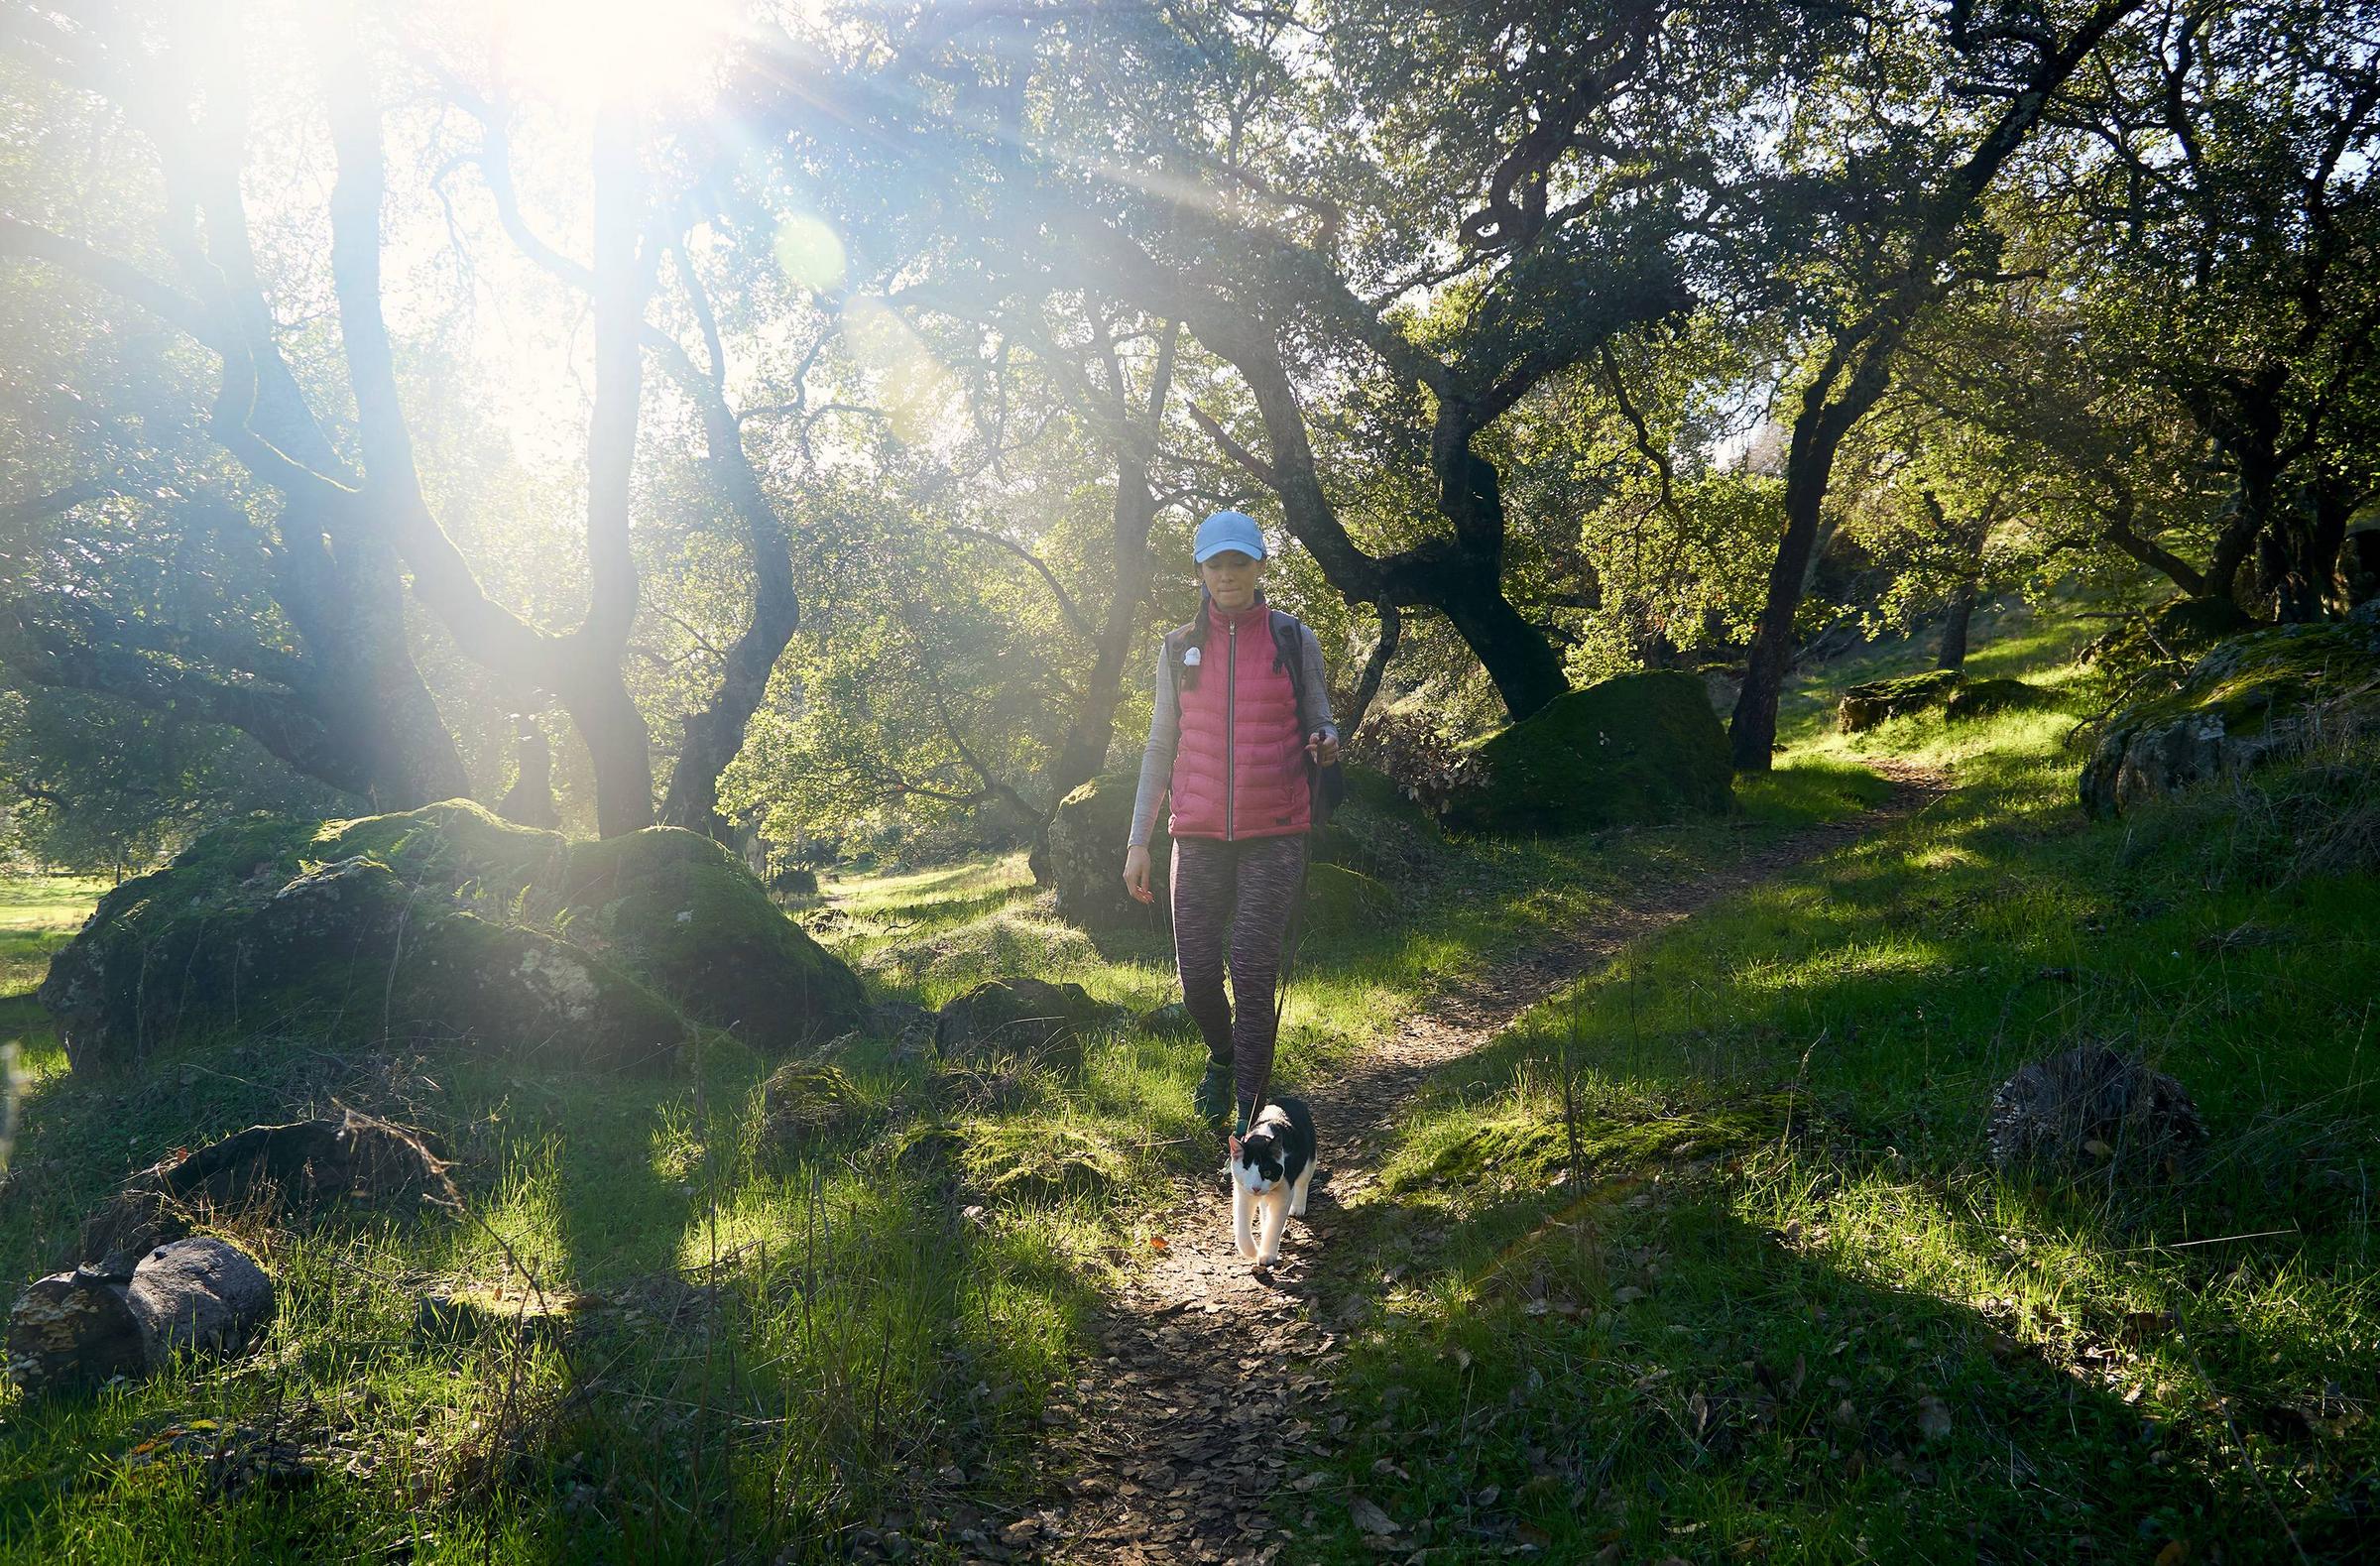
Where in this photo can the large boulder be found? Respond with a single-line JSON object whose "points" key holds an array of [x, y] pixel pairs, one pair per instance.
{"points": [[1638, 748], [684, 913], [72, 1331], [1087, 840], [1867, 705], [1340, 900], [2255, 698], [2174, 634], [1377, 831], [1985, 698], [442, 922]]}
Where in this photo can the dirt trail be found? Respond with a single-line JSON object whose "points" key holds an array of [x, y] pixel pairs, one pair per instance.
{"points": [[1183, 1437]]}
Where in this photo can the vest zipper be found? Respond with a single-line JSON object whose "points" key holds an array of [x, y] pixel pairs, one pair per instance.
{"points": [[1231, 718]]}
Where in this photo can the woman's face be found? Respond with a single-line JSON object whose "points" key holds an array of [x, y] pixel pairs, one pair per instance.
{"points": [[1231, 579]]}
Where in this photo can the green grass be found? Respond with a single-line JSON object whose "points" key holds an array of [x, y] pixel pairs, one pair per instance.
{"points": [[1767, 1304], [1781, 1309], [868, 1349], [37, 916]]}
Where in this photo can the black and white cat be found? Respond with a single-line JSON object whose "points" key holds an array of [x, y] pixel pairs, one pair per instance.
{"points": [[1272, 1168]]}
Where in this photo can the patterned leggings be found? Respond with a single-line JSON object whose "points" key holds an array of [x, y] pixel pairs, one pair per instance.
{"points": [[1261, 876]]}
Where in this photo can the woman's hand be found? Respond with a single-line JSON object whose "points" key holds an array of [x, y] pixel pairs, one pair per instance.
{"points": [[1136, 873], [1323, 746]]}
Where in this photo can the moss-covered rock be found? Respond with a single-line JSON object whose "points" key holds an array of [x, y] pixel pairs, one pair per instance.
{"points": [[443, 923], [805, 1102], [683, 912], [1642, 747], [1033, 1018], [2174, 634], [1982, 698], [1867, 705], [1087, 840], [1339, 900], [2253, 699]]}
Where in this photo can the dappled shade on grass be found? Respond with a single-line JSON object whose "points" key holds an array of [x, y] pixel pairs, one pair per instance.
{"points": [[1972, 1361]]}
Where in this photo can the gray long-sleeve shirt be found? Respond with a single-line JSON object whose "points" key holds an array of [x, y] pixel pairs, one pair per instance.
{"points": [[1166, 730]]}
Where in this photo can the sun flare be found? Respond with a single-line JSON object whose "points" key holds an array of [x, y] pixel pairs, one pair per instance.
{"points": [[642, 50]]}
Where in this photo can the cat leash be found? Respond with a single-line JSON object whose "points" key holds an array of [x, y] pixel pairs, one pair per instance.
{"points": [[1314, 814]]}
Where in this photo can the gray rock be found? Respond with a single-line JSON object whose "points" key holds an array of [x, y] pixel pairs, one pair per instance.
{"points": [[72, 1331], [906, 1023], [2254, 699], [303, 1167], [203, 1294], [2090, 1109], [1165, 1020], [1024, 1016], [1087, 838]]}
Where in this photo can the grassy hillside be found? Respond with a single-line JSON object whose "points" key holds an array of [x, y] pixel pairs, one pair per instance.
{"points": [[777, 1341], [1701, 1261], [1772, 1303]]}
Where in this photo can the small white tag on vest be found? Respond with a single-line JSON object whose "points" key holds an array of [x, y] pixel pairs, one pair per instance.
{"points": [[1190, 657]]}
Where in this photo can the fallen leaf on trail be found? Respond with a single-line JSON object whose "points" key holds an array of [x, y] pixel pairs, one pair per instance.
{"points": [[1698, 1412], [1487, 1496], [1370, 1519], [1628, 1295], [1308, 1481], [1462, 1359], [1156, 1241], [1845, 1415], [1932, 1418], [1530, 1533], [2098, 1149], [2175, 1553]]}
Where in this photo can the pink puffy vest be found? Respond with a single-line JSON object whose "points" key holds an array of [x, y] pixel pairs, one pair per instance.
{"points": [[1239, 770]]}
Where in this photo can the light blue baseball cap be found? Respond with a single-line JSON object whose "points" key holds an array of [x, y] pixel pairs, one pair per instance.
{"points": [[1228, 530]]}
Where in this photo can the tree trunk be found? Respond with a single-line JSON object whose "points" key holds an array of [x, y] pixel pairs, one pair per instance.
{"points": [[2297, 557], [714, 734], [619, 746], [1134, 435], [1860, 361], [1084, 751], [1952, 652], [1461, 576], [1752, 732], [1375, 668]]}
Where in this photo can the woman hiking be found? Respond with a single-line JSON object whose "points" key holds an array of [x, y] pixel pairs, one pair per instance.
{"points": [[1243, 718]]}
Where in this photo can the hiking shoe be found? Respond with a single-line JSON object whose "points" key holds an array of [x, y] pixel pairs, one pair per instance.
{"points": [[1213, 1099]]}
